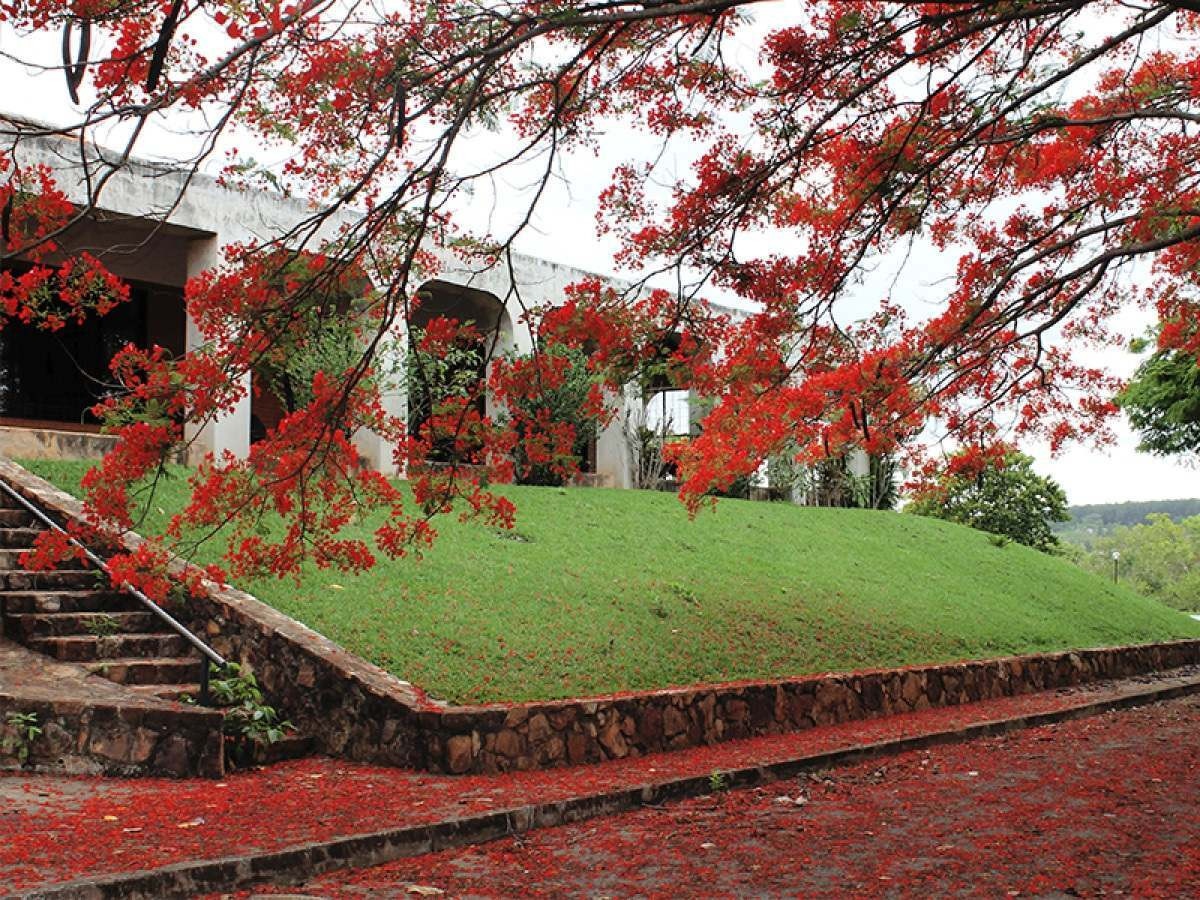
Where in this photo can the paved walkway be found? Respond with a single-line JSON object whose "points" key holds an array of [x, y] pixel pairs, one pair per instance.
{"points": [[57, 829], [1098, 806]]}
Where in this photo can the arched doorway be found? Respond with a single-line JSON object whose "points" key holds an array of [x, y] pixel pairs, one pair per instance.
{"points": [[463, 373]]}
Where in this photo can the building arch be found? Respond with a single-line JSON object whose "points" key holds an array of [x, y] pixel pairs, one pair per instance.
{"points": [[443, 300]]}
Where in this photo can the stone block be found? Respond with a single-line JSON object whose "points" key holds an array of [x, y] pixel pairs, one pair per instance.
{"points": [[933, 687], [613, 741], [673, 721], [736, 710], [800, 709], [650, 726], [554, 750], [871, 694], [171, 757], [578, 747], [538, 728], [561, 718], [912, 688], [516, 717], [761, 706], [510, 744], [460, 754]]}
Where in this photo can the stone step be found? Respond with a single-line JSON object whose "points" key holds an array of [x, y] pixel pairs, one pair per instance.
{"points": [[10, 558], [18, 537], [16, 518], [167, 691], [89, 647], [93, 726], [170, 670], [54, 580], [18, 602], [25, 625]]}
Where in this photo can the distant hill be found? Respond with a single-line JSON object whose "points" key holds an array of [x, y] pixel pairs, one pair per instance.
{"points": [[1096, 519]]}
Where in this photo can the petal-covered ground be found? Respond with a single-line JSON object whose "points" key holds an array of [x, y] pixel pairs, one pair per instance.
{"points": [[57, 828], [1104, 805]]}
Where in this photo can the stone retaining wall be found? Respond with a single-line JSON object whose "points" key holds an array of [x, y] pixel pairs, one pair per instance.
{"points": [[88, 738], [353, 709], [348, 707], [537, 735]]}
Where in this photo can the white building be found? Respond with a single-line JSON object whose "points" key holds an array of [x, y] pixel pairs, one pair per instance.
{"points": [[156, 230]]}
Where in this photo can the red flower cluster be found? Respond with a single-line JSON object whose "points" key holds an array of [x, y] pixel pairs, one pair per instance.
{"points": [[1039, 154]]}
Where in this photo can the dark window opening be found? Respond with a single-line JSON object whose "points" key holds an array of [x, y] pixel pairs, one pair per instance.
{"points": [[57, 376]]}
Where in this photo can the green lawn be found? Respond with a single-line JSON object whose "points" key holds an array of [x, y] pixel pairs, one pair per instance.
{"points": [[602, 590]]}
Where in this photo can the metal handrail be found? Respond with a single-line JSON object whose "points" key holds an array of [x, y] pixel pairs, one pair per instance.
{"points": [[173, 623]]}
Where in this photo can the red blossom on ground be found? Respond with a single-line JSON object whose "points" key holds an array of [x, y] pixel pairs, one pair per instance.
{"points": [[1094, 807], [60, 828]]}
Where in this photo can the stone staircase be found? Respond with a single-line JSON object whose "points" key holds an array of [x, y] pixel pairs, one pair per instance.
{"points": [[73, 615]]}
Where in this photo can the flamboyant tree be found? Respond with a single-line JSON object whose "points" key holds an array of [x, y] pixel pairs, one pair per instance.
{"points": [[1040, 151]]}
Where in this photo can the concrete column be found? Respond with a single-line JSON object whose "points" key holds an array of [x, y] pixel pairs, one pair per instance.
{"points": [[505, 343], [378, 452], [230, 431], [612, 447], [371, 446]]}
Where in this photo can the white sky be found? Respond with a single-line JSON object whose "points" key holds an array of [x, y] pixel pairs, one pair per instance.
{"points": [[564, 231]]}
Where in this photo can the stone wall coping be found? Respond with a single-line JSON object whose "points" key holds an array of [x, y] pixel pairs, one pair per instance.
{"points": [[48, 428]]}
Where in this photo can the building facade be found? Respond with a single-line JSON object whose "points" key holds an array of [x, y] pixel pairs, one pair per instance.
{"points": [[156, 227]]}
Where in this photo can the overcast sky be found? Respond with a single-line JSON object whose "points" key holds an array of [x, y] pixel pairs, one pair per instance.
{"points": [[564, 231]]}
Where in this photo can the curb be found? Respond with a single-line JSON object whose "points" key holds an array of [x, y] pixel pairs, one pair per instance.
{"points": [[299, 863]]}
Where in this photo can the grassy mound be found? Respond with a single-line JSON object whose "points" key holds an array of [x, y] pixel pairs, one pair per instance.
{"points": [[602, 590]]}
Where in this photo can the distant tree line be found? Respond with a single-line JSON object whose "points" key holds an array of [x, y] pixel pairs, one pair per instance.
{"points": [[1159, 559], [1098, 519]]}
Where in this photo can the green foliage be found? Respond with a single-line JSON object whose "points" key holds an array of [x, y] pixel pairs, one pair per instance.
{"points": [[25, 730], [103, 626], [1163, 403], [323, 336], [565, 404], [1012, 500], [432, 379], [718, 781], [738, 489], [247, 715], [749, 591], [783, 473], [330, 345], [832, 482], [1160, 559], [1134, 512]]}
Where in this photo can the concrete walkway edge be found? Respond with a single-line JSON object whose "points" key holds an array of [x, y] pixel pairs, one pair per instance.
{"points": [[297, 864]]}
